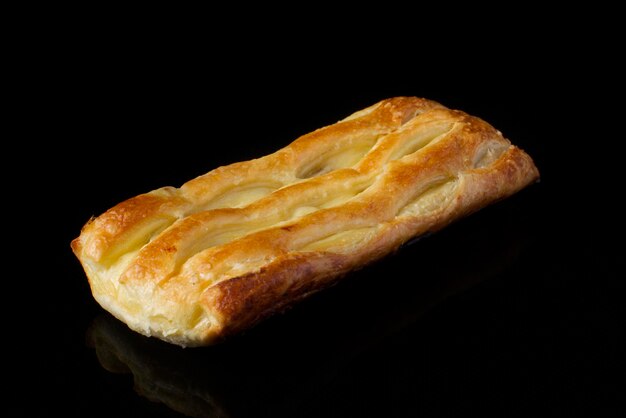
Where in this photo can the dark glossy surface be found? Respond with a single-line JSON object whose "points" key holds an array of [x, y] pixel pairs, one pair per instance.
{"points": [[514, 311]]}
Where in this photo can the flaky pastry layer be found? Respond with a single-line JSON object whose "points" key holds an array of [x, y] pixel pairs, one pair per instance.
{"points": [[194, 264]]}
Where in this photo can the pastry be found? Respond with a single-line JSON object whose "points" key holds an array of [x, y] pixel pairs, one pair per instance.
{"points": [[195, 264]]}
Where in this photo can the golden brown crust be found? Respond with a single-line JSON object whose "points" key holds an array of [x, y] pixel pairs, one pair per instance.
{"points": [[229, 248]]}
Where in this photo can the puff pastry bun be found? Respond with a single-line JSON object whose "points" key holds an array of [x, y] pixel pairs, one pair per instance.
{"points": [[194, 264]]}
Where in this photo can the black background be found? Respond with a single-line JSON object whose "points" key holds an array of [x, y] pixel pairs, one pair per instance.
{"points": [[515, 311]]}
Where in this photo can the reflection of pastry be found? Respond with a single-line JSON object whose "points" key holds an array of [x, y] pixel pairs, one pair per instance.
{"points": [[258, 371], [122, 353], [194, 264]]}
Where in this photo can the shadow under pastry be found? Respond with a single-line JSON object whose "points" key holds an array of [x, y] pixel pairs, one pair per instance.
{"points": [[283, 364]]}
